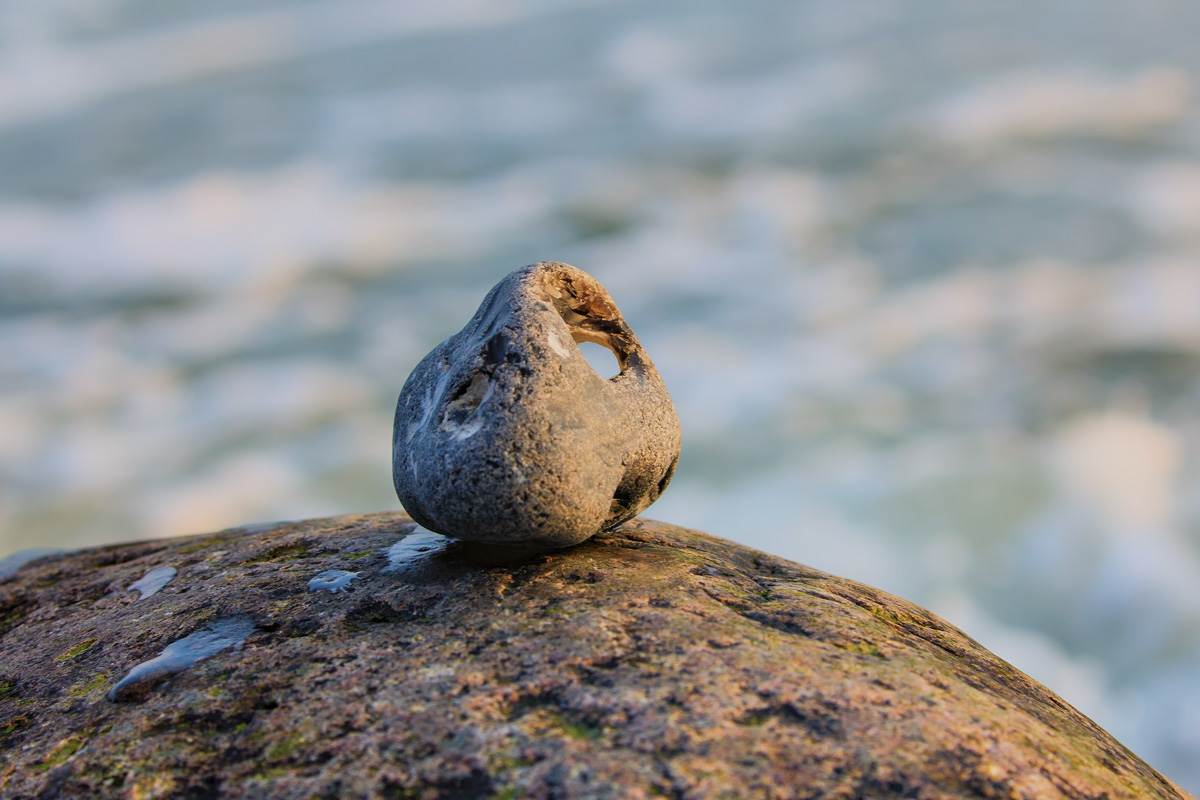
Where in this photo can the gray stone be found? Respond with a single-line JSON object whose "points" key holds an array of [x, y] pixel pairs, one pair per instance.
{"points": [[504, 433], [152, 582], [11, 565]]}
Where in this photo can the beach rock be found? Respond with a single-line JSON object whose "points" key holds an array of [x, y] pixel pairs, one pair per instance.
{"points": [[505, 433], [648, 661]]}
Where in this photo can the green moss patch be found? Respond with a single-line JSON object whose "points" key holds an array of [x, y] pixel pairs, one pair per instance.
{"points": [[866, 649], [77, 650], [86, 688], [59, 755], [284, 747], [283, 552], [11, 616], [13, 725]]}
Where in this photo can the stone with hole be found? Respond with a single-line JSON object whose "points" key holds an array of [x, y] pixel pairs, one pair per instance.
{"points": [[504, 433]]}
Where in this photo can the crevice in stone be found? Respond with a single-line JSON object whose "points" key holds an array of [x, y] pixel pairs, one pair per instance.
{"points": [[464, 401]]}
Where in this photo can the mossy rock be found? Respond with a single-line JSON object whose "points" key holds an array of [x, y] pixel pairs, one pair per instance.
{"points": [[650, 661]]}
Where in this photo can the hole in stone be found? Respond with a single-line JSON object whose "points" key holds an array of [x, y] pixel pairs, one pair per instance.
{"points": [[602, 359], [496, 350], [464, 401], [623, 499]]}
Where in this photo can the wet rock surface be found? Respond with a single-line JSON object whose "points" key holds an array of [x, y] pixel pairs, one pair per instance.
{"points": [[505, 433], [648, 661]]}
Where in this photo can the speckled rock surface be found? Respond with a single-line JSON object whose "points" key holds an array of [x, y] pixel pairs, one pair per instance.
{"points": [[505, 433], [648, 661]]}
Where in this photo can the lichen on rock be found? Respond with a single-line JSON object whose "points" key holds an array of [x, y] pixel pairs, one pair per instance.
{"points": [[648, 661]]}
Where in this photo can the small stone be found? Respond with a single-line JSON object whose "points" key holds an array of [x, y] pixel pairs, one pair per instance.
{"points": [[333, 581], [11, 565], [152, 582], [187, 652], [505, 433]]}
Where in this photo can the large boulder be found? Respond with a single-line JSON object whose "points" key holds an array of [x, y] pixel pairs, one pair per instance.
{"points": [[649, 661]]}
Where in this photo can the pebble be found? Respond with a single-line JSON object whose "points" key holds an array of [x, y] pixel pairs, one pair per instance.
{"points": [[505, 433], [152, 582], [186, 652], [333, 581], [11, 565]]}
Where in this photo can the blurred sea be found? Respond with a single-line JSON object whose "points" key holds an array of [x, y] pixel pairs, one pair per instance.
{"points": [[923, 279]]}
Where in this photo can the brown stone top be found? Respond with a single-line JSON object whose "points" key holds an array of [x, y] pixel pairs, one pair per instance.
{"points": [[650, 661]]}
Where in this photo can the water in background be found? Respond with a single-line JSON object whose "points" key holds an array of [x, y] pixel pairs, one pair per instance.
{"points": [[924, 280]]}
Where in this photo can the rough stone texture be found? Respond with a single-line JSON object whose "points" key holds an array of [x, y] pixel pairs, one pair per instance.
{"points": [[649, 661], [505, 433]]}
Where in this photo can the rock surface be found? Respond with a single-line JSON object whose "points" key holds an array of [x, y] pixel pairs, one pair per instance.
{"points": [[505, 433], [648, 661]]}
